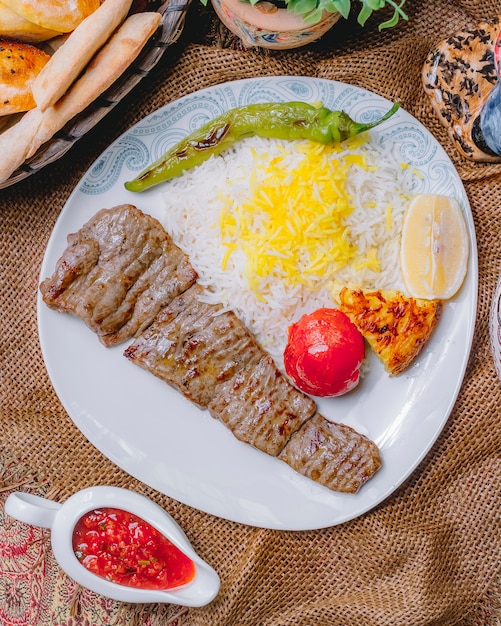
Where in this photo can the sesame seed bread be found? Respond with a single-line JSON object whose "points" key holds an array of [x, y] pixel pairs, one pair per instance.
{"points": [[20, 64]]}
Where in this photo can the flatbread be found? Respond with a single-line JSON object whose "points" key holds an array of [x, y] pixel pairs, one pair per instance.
{"points": [[23, 139], [15, 26], [59, 15], [20, 64], [69, 60]]}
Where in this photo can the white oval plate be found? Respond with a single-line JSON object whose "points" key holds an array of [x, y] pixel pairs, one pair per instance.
{"points": [[162, 439]]}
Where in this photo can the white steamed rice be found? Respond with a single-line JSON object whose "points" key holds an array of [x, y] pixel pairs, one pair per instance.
{"points": [[193, 204]]}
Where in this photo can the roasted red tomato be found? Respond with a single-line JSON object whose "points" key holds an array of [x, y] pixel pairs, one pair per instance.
{"points": [[324, 353]]}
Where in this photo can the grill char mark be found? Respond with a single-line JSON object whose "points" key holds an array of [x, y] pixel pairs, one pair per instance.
{"points": [[124, 277], [117, 272], [333, 455], [261, 407], [194, 347]]}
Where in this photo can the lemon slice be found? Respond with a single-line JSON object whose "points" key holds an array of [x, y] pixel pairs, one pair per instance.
{"points": [[434, 247]]}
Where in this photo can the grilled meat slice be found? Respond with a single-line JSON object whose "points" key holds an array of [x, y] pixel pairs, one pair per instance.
{"points": [[194, 347], [117, 272], [261, 407], [333, 455], [396, 327]]}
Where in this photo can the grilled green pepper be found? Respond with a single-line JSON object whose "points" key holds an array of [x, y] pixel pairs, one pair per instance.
{"points": [[275, 120]]}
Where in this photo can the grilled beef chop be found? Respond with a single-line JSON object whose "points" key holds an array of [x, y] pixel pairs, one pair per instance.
{"points": [[333, 455], [193, 346], [124, 277], [117, 272], [214, 361], [261, 407]]}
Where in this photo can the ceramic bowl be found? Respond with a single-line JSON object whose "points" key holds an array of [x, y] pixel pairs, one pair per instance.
{"points": [[263, 25], [62, 518]]}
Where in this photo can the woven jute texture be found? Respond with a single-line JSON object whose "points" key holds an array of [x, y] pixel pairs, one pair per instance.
{"points": [[430, 554]]}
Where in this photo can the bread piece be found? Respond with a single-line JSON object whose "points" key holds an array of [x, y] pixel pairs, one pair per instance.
{"points": [[458, 75], [396, 327], [22, 140], [57, 15], [14, 26], [20, 64], [70, 59]]}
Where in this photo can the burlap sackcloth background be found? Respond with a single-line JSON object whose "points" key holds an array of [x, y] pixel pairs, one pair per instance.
{"points": [[430, 554]]}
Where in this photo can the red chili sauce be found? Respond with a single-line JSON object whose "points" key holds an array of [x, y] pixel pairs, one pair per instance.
{"points": [[122, 548]]}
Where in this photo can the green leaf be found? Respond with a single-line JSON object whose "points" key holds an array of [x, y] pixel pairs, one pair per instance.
{"points": [[302, 7], [396, 15], [373, 4], [330, 6], [363, 16], [311, 10], [314, 17], [391, 22], [343, 7]]}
